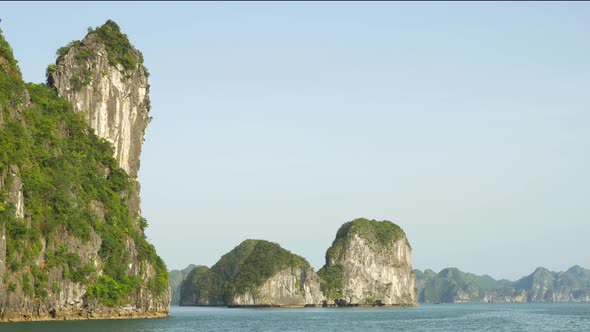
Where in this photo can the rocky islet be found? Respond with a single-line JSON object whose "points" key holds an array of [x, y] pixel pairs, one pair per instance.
{"points": [[369, 263]]}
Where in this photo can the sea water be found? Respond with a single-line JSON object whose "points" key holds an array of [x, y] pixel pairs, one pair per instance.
{"points": [[533, 317]]}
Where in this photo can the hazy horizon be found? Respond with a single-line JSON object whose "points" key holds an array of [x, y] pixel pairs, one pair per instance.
{"points": [[467, 124]]}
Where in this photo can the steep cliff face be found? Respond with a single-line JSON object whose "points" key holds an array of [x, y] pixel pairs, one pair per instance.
{"points": [[71, 236], [105, 80], [369, 261], [255, 273], [289, 287]]}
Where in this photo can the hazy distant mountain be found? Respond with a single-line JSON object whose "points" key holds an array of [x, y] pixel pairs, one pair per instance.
{"points": [[176, 278], [451, 285]]}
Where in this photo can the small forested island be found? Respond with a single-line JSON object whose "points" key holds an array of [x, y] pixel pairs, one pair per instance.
{"points": [[369, 263], [72, 243], [257, 273]]}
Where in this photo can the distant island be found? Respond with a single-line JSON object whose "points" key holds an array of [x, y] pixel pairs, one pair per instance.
{"points": [[451, 285], [175, 280], [369, 263]]}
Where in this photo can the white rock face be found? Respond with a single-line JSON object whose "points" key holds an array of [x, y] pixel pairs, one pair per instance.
{"points": [[370, 262], [115, 102], [378, 272], [288, 287], [15, 193]]}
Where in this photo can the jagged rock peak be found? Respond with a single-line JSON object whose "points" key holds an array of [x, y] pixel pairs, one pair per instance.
{"points": [[104, 78]]}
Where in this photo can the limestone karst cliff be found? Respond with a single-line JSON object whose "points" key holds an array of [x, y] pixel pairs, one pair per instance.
{"points": [[104, 78], [71, 239], [255, 273], [289, 287], [369, 262]]}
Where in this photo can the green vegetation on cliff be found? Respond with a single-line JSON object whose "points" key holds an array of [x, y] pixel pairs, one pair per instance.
{"points": [[119, 51], [382, 233], [331, 281], [195, 288], [69, 178], [11, 83], [264, 261], [175, 280], [244, 268], [225, 269], [376, 232]]}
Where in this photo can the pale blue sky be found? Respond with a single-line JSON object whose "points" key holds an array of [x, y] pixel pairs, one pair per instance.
{"points": [[468, 124]]}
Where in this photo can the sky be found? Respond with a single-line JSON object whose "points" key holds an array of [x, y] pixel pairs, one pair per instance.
{"points": [[467, 124]]}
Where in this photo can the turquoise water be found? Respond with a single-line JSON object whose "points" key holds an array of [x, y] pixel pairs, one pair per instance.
{"points": [[525, 317]]}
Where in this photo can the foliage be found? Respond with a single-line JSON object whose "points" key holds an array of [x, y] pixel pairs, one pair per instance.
{"points": [[331, 281], [264, 261], [55, 288], [70, 263], [195, 288], [119, 49], [225, 269], [65, 168], [159, 282], [11, 84], [176, 277], [112, 292], [243, 269], [26, 284], [143, 223], [376, 232], [80, 81], [84, 53], [40, 282], [63, 51], [384, 232]]}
